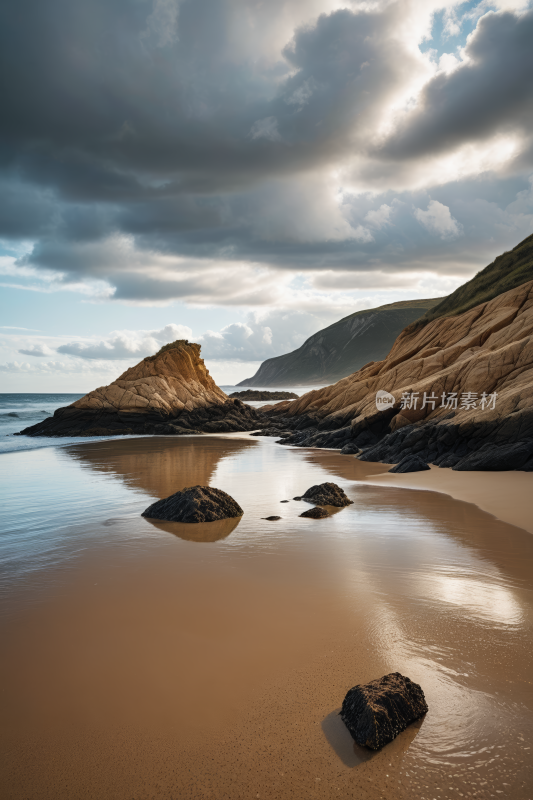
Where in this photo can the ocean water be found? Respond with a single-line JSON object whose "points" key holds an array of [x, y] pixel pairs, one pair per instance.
{"points": [[19, 411]]}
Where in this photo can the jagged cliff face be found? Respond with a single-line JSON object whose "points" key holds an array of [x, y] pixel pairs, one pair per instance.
{"points": [[480, 361], [174, 380]]}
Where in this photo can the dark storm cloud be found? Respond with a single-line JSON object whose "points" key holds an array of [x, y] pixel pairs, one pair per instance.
{"points": [[98, 110], [144, 140], [490, 93]]}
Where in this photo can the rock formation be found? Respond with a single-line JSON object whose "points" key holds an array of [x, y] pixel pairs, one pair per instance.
{"points": [[376, 712], [458, 386], [254, 394], [315, 513], [170, 393], [341, 348], [195, 504], [410, 463], [327, 494]]}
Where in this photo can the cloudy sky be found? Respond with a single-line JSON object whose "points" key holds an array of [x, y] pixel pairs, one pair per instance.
{"points": [[243, 172]]}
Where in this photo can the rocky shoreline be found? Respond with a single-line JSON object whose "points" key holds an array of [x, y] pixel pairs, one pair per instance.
{"points": [[229, 417], [255, 394], [498, 445], [456, 392], [505, 444]]}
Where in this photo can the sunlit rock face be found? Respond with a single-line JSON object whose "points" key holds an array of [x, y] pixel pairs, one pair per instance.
{"points": [[175, 379], [471, 376]]}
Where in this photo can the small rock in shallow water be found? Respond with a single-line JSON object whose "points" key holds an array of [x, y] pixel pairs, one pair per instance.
{"points": [[315, 513], [283, 501], [272, 518], [411, 463], [327, 494], [376, 712], [195, 504], [296, 498]]}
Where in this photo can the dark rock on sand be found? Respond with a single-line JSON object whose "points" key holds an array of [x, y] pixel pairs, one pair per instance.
{"points": [[228, 417], [327, 494], [376, 712], [195, 504], [315, 513], [253, 394], [283, 501], [272, 518], [410, 464], [270, 431], [350, 449], [491, 457]]}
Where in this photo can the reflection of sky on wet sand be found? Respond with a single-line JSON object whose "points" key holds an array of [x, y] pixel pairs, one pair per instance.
{"points": [[490, 601], [441, 590]]}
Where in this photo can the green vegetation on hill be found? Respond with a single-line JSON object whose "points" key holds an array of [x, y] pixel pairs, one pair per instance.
{"points": [[171, 346], [341, 348], [507, 271]]}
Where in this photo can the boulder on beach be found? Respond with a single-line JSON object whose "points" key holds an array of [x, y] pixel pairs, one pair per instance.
{"points": [[350, 449], [195, 504], [327, 494], [315, 513], [253, 394], [411, 463], [376, 712]]}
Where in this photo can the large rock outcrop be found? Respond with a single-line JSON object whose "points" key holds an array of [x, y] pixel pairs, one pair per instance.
{"points": [[459, 385], [170, 393]]}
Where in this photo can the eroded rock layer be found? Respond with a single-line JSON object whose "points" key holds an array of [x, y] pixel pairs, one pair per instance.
{"points": [[171, 393], [461, 394]]}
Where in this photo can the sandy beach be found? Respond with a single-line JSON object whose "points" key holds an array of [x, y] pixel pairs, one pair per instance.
{"points": [[156, 661]]}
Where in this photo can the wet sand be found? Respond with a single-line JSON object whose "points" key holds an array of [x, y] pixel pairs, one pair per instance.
{"points": [[154, 661]]}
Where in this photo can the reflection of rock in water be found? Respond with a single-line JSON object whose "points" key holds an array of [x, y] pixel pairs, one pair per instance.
{"points": [[158, 466], [201, 532]]}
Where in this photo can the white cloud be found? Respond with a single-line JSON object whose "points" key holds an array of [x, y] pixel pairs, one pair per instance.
{"points": [[50, 368], [266, 128], [301, 96], [122, 345], [37, 350], [438, 219], [161, 24], [379, 218], [362, 234]]}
